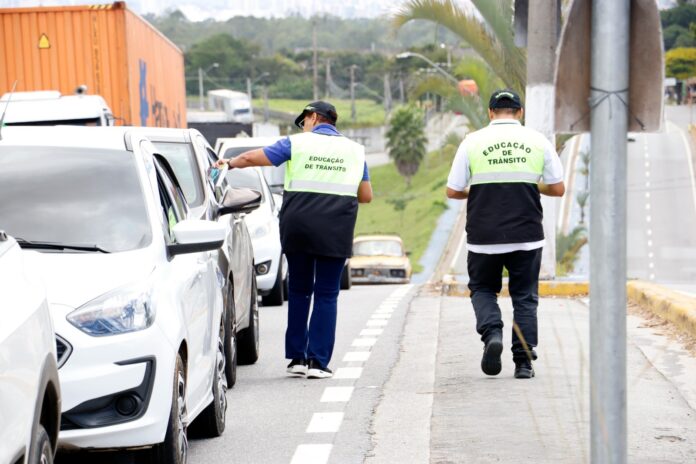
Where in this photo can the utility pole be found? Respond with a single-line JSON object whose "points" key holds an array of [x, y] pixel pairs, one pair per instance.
{"points": [[315, 76], [609, 64], [353, 114], [249, 94], [387, 94], [540, 105], [265, 103], [327, 92], [200, 89], [401, 89]]}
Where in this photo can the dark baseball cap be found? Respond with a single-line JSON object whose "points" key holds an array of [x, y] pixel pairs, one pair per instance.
{"points": [[320, 107], [504, 98]]}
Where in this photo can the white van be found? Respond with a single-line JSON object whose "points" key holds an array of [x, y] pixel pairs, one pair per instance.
{"points": [[51, 108]]}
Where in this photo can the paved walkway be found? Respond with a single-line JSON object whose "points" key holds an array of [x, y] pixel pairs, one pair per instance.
{"points": [[462, 416]]}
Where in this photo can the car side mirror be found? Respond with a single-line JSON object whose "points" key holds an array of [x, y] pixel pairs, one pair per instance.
{"points": [[239, 200], [195, 235]]}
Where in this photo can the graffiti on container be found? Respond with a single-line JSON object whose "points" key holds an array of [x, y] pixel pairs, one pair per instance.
{"points": [[160, 112]]}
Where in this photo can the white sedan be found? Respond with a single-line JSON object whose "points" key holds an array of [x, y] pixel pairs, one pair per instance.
{"points": [[29, 387], [263, 225], [133, 288]]}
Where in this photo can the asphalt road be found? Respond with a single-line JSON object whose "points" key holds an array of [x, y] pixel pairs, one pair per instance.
{"points": [[274, 418]]}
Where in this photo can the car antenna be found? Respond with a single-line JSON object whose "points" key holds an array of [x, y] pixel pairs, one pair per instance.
{"points": [[2, 118]]}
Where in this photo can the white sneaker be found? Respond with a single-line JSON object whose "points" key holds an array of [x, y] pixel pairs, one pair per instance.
{"points": [[315, 371], [297, 367]]}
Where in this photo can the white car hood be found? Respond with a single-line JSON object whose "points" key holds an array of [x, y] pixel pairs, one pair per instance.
{"points": [[73, 279]]}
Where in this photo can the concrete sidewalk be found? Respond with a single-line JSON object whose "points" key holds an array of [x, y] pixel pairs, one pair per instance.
{"points": [[439, 407]]}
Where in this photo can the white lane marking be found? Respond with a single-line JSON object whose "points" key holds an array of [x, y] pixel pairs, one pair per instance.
{"points": [[364, 342], [311, 454], [381, 316], [649, 243], [689, 157], [649, 231], [377, 322], [651, 255], [371, 332], [651, 265], [337, 394], [348, 373], [647, 206], [652, 276], [647, 194], [356, 356], [647, 164], [648, 218], [325, 422], [384, 311]]}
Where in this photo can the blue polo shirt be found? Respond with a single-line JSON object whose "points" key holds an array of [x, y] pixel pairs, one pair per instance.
{"points": [[280, 152]]}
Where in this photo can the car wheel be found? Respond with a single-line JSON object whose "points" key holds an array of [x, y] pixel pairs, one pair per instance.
{"points": [[211, 422], [174, 448], [249, 337], [42, 452], [346, 280], [275, 298], [230, 339]]}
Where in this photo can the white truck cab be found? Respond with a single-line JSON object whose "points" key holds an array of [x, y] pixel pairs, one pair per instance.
{"points": [[50, 108]]}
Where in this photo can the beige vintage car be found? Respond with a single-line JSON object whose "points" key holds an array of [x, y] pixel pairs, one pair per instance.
{"points": [[379, 259]]}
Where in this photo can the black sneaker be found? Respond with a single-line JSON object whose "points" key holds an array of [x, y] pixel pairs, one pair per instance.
{"points": [[524, 369], [490, 362], [316, 371], [297, 367]]}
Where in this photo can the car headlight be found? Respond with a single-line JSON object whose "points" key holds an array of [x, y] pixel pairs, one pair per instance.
{"points": [[261, 231], [126, 309]]}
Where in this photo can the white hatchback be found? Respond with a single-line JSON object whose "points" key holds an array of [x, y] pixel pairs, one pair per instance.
{"points": [[29, 388], [133, 286]]}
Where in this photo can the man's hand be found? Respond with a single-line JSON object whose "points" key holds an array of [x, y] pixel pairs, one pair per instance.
{"points": [[221, 163]]}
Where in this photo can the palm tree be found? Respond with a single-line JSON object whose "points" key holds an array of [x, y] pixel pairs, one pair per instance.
{"points": [[488, 30], [406, 140]]}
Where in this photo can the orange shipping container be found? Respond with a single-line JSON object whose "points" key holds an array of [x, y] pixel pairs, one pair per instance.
{"points": [[109, 48]]}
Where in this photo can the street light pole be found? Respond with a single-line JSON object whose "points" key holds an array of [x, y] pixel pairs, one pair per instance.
{"points": [[201, 72], [353, 113], [404, 55], [609, 64]]}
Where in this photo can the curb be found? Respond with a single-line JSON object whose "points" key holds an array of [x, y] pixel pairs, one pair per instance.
{"points": [[668, 304], [547, 288], [675, 307]]}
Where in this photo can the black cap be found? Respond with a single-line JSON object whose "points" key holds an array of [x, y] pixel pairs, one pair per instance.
{"points": [[320, 107], [504, 98]]}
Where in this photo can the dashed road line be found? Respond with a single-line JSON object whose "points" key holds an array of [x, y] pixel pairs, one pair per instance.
{"points": [[348, 373], [364, 342], [311, 454], [337, 394], [371, 332], [356, 356], [325, 422]]}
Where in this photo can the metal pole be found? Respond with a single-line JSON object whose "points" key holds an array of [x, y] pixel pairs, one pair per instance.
{"points": [[387, 94], [609, 122], [315, 75], [249, 92], [401, 90], [265, 103], [200, 89], [327, 93], [540, 106], [353, 114]]}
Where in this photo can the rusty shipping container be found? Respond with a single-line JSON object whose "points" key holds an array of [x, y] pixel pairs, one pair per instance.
{"points": [[109, 48]]}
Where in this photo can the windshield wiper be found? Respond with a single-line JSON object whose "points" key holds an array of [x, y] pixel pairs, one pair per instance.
{"points": [[58, 246]]}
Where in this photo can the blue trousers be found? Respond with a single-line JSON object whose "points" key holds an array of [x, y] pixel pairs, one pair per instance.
{"points": [[318, 277]]}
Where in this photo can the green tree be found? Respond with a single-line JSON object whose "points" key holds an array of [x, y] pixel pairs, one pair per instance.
{"points": [[406, 140], [489, 34], [681, 63]]}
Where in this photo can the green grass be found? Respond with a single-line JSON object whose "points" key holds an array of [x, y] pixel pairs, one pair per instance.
{"points": [[425, 202], [368, 113]]}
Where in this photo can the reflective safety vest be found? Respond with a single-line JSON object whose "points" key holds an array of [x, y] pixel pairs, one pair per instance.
{"points": [[324, 164], [506, 161]]}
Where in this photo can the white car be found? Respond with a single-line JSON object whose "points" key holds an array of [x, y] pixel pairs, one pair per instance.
{"points": [[230, 147], [133, 286], [29, 388], [271, 265], [191, 159]]}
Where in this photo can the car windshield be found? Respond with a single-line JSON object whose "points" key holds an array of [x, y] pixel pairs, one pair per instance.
{"points": [[183, 161], [246, 178], [377, 248], [73, 196]]}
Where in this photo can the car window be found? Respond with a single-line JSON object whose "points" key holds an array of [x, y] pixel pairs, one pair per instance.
{"points": [[73, 196], [172, 200], [182, 159], [236, 151], [377, 248]]}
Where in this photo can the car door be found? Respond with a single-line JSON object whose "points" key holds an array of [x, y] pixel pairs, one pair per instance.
{"points": [[191, 283], [241, 258]]}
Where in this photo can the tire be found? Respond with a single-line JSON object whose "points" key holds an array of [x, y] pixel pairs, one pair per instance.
{"points": [[248, 339], [346, 280], [174, 448], [230, 338], [42, 451], [275, 298], [211, 422]]}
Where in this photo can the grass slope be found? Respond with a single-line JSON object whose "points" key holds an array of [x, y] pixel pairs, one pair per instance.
{"points": [[424, 202]]}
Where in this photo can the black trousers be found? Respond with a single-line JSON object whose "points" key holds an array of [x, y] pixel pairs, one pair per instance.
{"points": [[486, 281]]}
